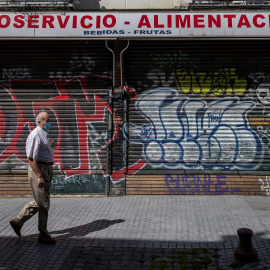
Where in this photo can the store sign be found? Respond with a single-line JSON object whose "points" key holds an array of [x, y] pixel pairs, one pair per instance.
{"points": [[134, 24]]}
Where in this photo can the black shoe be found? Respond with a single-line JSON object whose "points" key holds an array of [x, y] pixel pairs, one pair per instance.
{"points": [[46, 239], [16, 227]]}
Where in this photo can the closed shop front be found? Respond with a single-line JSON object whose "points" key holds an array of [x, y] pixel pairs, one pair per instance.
{"points": [[69, 80], [156, 102], [198, 117]]}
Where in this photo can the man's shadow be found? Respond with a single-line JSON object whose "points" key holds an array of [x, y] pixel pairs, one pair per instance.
{"points": [[85, 229]]}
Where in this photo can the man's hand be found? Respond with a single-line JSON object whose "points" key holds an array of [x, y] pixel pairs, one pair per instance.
{"points": [[41, 182], [52, 143]]}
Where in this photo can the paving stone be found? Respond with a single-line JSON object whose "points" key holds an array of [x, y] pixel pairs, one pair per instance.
{"points": [[116, 228]]}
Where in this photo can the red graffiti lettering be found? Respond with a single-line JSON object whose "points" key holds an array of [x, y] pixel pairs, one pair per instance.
{"points": [[63, 100]]}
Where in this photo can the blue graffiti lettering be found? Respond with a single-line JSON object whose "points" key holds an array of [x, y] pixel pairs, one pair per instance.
{"points": [[213, 118], [192, 134], [195, 184]]}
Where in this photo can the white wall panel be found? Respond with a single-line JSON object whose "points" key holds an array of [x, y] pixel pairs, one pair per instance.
{"points": [[131, 4], [139, 4], [108, 4], [160, 3]]}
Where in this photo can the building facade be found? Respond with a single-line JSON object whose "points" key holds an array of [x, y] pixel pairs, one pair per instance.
{"points": [[146, 97]]}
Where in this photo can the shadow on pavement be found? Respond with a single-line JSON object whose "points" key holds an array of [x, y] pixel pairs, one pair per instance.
{"points": [[76, 248], [85, 229]]}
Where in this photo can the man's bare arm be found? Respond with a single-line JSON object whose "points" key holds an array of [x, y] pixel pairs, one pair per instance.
{"points": [[34, 165]]}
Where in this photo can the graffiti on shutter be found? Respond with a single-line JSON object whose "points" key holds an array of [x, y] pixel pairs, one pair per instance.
{"points": [[75, 97], [188, 115]]}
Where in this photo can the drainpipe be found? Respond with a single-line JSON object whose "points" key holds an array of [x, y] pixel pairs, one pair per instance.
{"points": [[121, 66], [110, 120], [125, 120], [113, 75]]}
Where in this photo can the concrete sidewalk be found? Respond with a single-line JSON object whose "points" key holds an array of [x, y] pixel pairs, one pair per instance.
{"points": [[138, 232]]}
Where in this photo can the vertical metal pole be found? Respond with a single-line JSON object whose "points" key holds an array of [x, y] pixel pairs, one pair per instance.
{"points": [[125, 142], [121, 65], [113, 75], [110, 119]]}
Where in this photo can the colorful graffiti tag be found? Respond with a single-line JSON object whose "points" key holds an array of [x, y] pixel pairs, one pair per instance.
{"points": [[216, 83], [199, 107], [190, 133], [12, 139]]}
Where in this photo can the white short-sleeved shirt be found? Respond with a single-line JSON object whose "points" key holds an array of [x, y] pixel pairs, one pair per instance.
{"points": [[38, 146]]}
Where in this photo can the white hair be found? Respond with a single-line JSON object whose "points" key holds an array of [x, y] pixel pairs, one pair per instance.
{"points": [[40, 117]]}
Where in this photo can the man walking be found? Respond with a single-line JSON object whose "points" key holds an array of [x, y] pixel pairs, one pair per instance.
{"points": [[40, 154]]}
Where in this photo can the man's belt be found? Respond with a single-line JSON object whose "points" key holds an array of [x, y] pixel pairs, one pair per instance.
{"points": [[46, 163]]}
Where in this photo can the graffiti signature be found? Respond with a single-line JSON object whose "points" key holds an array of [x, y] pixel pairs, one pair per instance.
{"points": [[189, 133], [265, 185], [195, 184]]}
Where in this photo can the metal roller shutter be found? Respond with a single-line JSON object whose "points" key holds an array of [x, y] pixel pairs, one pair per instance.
{"points": [[198, 117], [69, 80]]}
